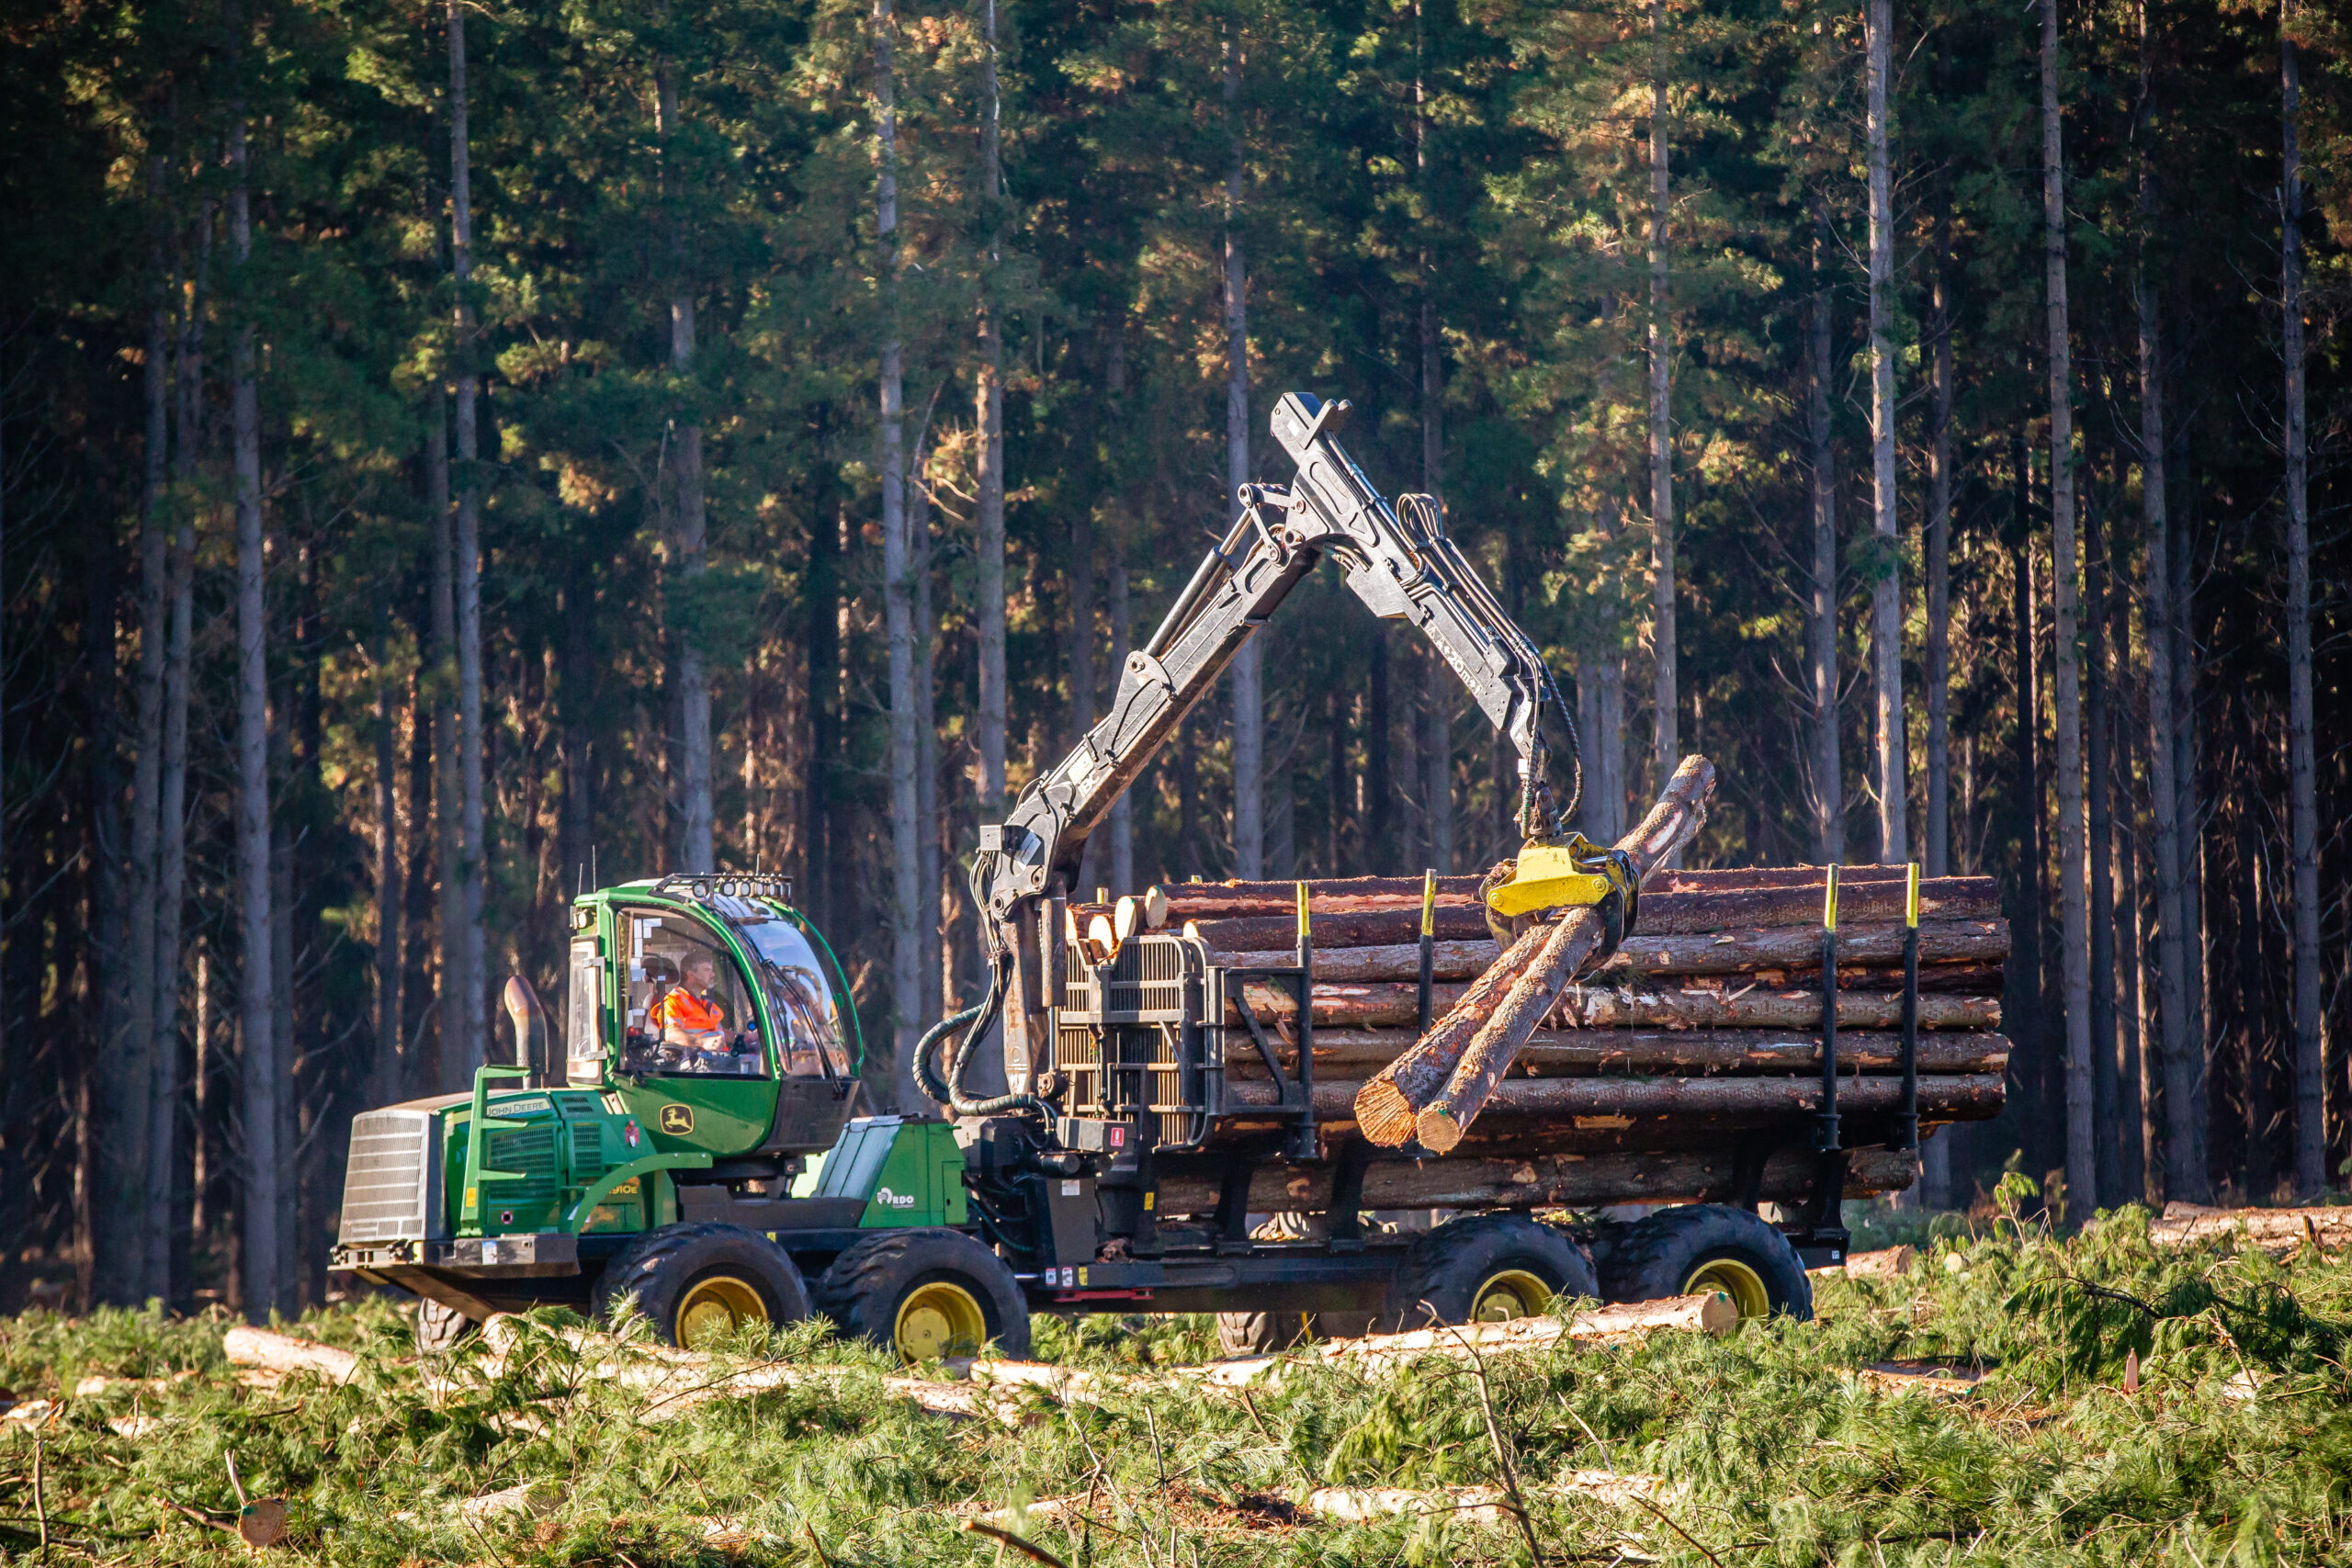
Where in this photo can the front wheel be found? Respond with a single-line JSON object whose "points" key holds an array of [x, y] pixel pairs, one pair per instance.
{"points": [[439, 1328], [926, 1293], [701, 1283], [1694, 1249]]}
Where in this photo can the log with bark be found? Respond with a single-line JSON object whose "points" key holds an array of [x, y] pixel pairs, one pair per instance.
{"points": [[1390, 1100], [1352, 1052], [1701, 1003], [1673, 822], [1605, 1104], [1789, 949], [1546, 1180]]}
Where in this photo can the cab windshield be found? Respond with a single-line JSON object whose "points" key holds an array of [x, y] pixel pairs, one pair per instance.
{"points": [[799, 994]]}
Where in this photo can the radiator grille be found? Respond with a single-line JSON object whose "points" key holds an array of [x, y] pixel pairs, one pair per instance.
{"points": [[587, 1152], [529, 1153], [386, 1192]]}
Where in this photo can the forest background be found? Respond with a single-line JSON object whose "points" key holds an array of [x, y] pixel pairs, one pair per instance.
{"points": [[451, 452]]}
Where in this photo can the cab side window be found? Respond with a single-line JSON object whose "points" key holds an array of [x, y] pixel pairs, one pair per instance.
{"points": [[688, 1010]]}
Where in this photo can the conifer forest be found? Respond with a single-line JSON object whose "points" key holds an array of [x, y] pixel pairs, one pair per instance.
{"points": [[456, 454]]}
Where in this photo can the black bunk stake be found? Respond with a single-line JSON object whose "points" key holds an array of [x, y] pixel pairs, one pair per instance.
{"points": [[1422, 997], [1906, 1121]]}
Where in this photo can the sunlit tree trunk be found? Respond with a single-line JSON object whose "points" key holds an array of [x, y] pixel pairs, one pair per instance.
{"points": [[384, 1083], [906, 826], [1667, 746], [694, 827], [1820, 623], [917, 505], [990, 531], [1249, 700], [257, 987], [448, 829], [2074, 913], [2302, 787], [472, 950], [171, 853], [1123, 819], [1934, 854], [1886, 584]]}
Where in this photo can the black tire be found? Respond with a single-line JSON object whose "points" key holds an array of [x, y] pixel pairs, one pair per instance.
{"points": [[913, 1290], [1264, 1333], [1486, 1265], [439, 1328], [1709, 1246], [683, 1276]]}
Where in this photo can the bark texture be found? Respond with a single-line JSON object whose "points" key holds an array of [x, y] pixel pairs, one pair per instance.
{"points": [[1886, 580]]}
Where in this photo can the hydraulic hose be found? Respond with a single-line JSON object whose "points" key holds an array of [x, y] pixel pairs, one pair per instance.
{"points": [[980, 1014]]}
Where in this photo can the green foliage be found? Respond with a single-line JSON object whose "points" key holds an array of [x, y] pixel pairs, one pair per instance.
{"points": [[2236, 1447]]}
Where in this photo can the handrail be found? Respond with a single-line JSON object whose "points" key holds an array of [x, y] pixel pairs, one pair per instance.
{"points": [[480, 1123]]}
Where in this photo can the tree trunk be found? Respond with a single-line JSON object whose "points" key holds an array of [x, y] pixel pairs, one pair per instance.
{"points": [[471, 947], [1123, 818], [1437, 751], [1249, 694], [2023, 999], [1935, 1190], [2302, 789], [384, 1080], [2124, 913], [2107, 1123], [695, 828], [1374, 847], [2074, 913], [2178, 1048], [931, 920], [165, 1244], [1886, 582], [1666, 749], [897, 611], [131, 1091], [1821, 627], [450, 914], [258, 988], [1936, 854], [989, 543]]}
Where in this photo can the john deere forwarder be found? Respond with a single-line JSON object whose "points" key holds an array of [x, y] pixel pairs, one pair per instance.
{"points": [[714, 1187]]}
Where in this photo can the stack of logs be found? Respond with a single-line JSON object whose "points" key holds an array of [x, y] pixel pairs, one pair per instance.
{"points": [[1705, 1024]]}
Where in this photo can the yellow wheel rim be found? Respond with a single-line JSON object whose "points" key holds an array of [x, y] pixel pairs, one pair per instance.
{"points": [[1742, 1283], [1512, 1293], [715, 1307], [937, 1319]]}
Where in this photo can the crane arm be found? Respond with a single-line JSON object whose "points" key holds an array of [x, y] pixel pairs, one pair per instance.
{"points": [[1400, 564]]}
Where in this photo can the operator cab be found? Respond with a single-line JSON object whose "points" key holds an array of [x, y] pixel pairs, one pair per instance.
{"points": [[713, 1012]]}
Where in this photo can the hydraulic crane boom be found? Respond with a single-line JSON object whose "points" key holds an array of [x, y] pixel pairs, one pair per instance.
{"points": [[1399, 562]]}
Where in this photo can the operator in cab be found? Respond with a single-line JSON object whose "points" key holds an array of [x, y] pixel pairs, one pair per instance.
{"points": [[690, 1018]]}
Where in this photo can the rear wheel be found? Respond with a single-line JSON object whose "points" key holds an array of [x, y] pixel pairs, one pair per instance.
{"points": [[439, 1328], [1699, 1248], [700, 1284], [1488, 1269], [926, 1293]]}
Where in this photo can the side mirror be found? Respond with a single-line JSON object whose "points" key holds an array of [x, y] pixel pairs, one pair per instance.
{"points": [[530, 1023]]}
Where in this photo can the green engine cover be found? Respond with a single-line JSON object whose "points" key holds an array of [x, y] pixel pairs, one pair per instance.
{"points": [[910, 1173]]}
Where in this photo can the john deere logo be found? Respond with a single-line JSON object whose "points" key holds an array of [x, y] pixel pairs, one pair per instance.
{"points": [[679, 1119]]}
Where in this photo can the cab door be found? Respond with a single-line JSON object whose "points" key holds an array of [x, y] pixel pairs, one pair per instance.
{"points": [[722, 1100]]}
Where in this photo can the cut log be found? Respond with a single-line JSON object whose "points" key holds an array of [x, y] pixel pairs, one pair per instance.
{"points": [[1459, 920], [1699, 1005], [1328, 896], [1387, 1103], [2273, 1230], [1747, 903], [1558, 1180], [1712, 1314], [1944, 1095], [283, 1354], [1674, 821], [1716, 878], [1349, 1053], [1786, 949]]}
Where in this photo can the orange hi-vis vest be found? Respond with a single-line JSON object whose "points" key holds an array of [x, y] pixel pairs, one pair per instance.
{"points": [[693, 1014]]}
